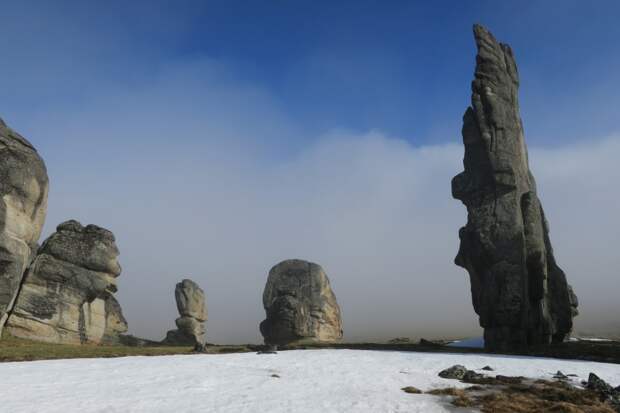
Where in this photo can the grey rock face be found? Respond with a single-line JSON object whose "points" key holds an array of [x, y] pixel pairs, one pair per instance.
{"points": [[67, 293], [23, 206], [605, 391], [456, 372], [599, 385], [115, 323], [190, 300], [191, 304], [300, 305], [518, 290], [471, 375]]}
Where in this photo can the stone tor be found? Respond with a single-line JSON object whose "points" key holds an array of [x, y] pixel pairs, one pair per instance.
{"points": [[519, 292], [300, 305]]}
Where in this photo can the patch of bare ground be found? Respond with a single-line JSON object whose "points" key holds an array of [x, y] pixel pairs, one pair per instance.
{"points": [[460, 397], [411, 390], [16, 349], [538, 396]]}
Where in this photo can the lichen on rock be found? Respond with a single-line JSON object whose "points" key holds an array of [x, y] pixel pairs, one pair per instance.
{"points": [[519, 292], [23, 206], [300, 305], [67, 293], [191, 329]]}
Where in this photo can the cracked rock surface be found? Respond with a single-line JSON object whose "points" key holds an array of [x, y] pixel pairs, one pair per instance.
{"points": [[23, 206], [300, 305], [67, 293], [519, 292], [191, 330]]}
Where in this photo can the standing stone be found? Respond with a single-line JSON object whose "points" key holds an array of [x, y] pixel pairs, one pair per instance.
{"points": [[518, 290], [192, 307], [66, 296], [23, 206], [300, 305]]}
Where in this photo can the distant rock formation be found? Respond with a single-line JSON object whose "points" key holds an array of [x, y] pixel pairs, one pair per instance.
{"points": [[66, 296], [192, 307], [300, 305], [519, 292], [23, 206]]}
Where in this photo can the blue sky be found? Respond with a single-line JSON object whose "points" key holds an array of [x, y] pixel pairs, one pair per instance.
{"points": [[400, 66], [217, 138]]}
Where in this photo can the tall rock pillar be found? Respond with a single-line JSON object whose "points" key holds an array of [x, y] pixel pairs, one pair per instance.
{"points": [[518, 290], [191, 329]]}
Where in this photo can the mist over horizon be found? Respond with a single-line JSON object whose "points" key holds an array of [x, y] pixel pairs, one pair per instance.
{"points": [[375, 212], [215, 164]]}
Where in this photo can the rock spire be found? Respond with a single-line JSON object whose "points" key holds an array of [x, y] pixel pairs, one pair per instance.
{"points": [[192, 308], [518, 290]]}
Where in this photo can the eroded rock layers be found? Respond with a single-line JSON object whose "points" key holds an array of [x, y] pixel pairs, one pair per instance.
{"points": [[300, 305], [67, 293], [519, 292], [23, 206]]}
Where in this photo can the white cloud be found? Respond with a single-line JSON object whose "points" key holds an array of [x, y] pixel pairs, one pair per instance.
{"points": [[204, 177]]}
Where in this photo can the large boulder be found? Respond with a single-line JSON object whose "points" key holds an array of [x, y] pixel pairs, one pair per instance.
{"points": [[192, 308], [67, 293], [518, 290], [23, 206], [300, 305]]}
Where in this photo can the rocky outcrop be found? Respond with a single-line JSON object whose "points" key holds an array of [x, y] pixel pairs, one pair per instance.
{"points": [[604, 390], [456, 372], [23, 206], [300, 305], [192, 307], [67, 293], [518, 290]]}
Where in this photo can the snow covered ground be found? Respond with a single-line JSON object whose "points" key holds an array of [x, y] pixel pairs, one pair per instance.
{"points": [[309, 381]]}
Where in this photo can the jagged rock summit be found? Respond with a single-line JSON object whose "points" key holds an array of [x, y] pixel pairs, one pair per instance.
{"points": [[23, 206], [518, 290], [67, 293], [300, 305], [192, 307]]}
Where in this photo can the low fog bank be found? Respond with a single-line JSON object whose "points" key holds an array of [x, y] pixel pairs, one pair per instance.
{"points": [[374, 211], [202, 177]]}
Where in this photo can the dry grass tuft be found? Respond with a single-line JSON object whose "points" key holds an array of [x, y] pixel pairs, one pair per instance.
{"points": [[534, 397], [460, 396], [411, 390], [463, 401], [448, 391], [16, 349]]}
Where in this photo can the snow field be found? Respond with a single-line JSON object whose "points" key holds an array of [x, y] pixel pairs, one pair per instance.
{"points": [[309, 381]]}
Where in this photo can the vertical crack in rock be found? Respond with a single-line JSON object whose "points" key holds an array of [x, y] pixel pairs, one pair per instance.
{"points": [[66, 295], [82, 323], [300, 305], [23, 206], [518, 290]]}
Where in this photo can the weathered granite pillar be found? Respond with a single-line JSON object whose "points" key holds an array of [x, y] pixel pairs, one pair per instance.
{"points": [[518, 290]]}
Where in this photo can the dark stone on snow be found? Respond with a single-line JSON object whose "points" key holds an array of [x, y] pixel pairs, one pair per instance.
{"points": [[455, 372]]}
